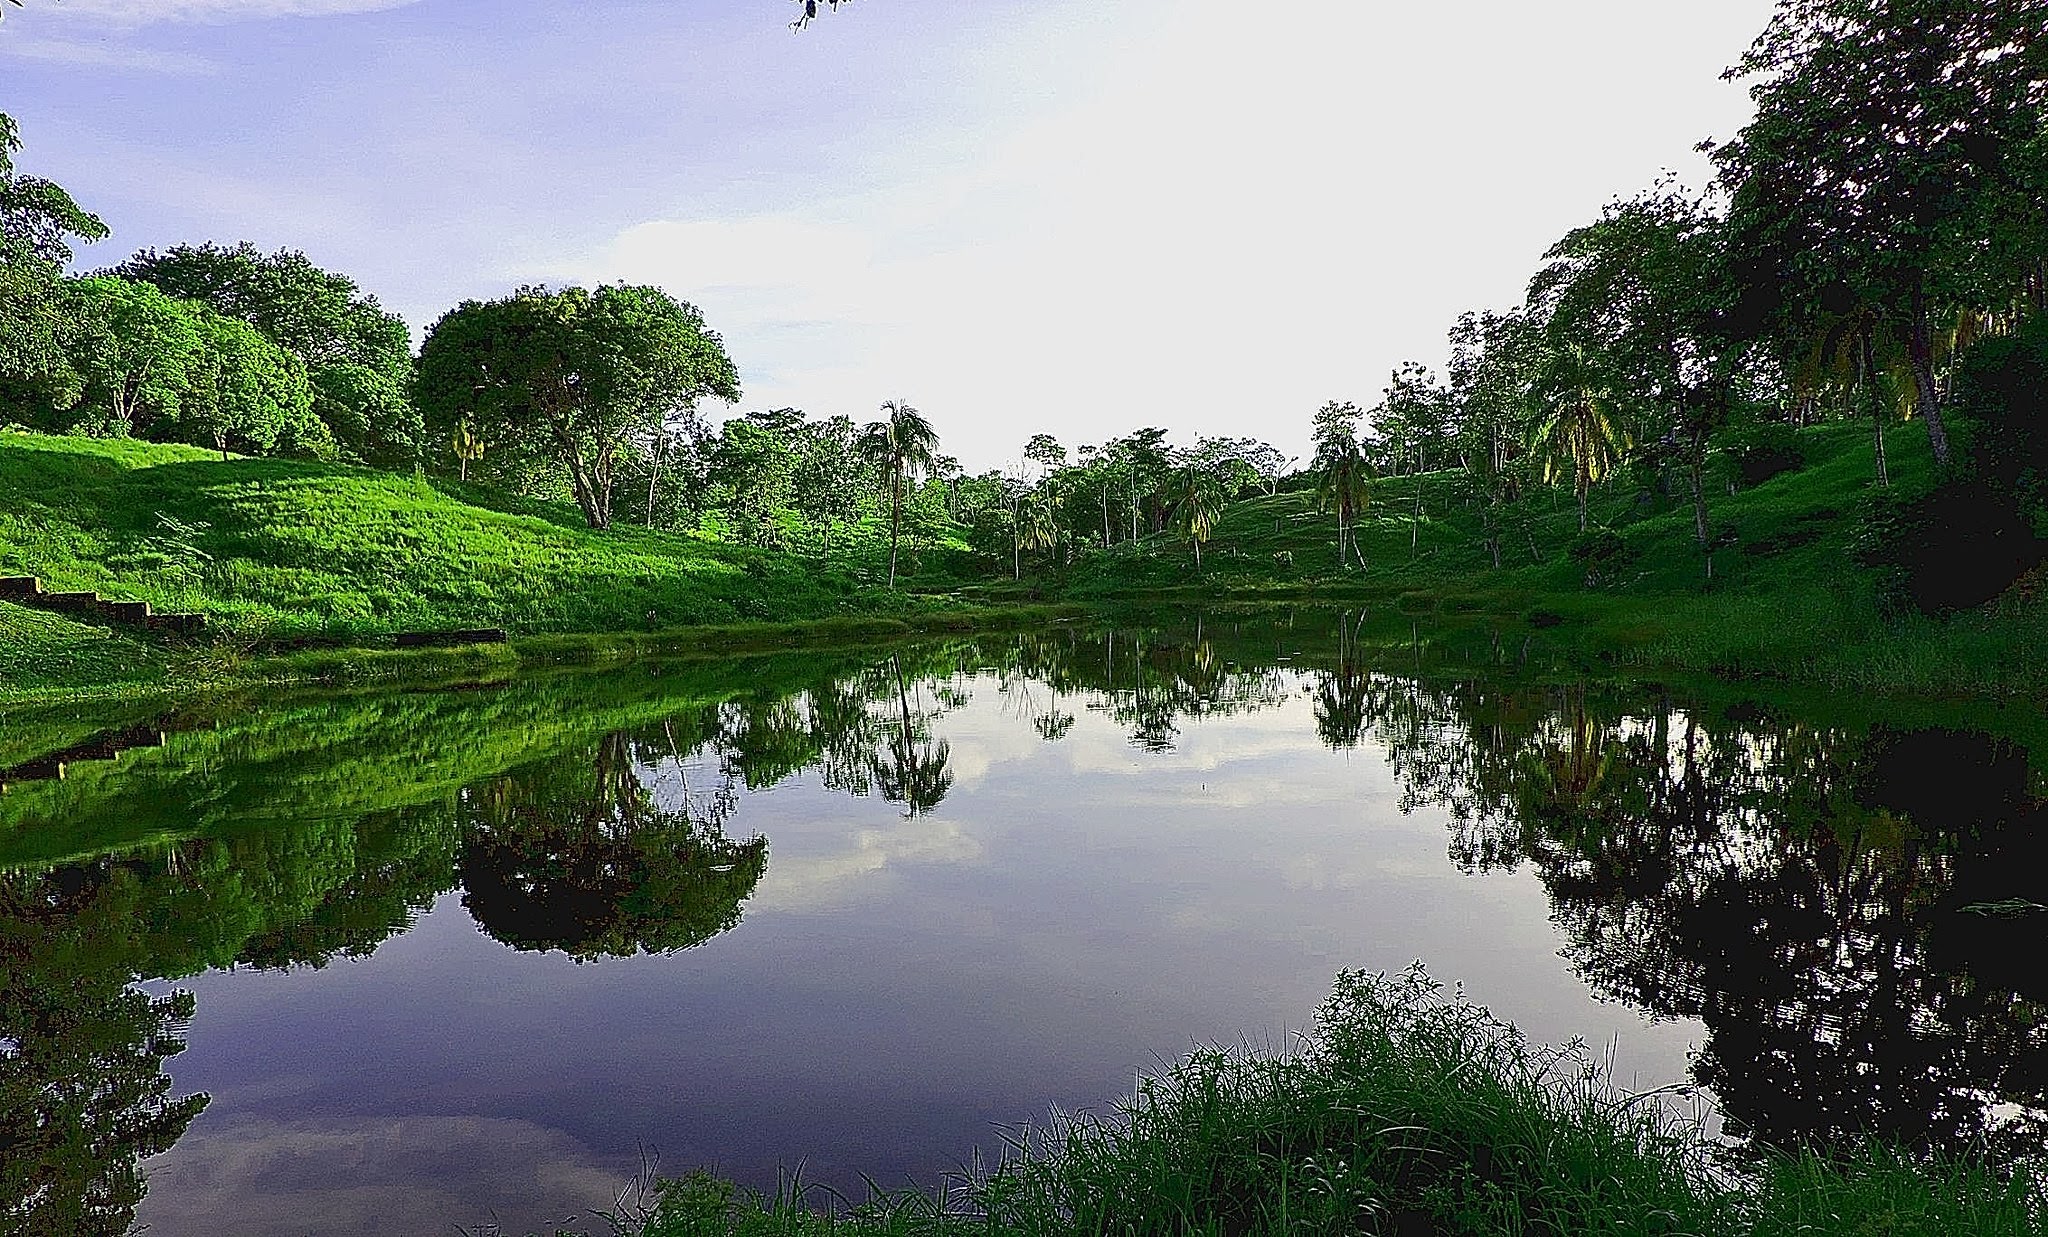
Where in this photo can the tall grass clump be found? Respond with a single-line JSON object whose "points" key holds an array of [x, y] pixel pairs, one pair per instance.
{"points": [[1407, 1110]]}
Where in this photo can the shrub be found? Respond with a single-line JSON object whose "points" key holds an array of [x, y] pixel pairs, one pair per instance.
{"points": [[1602, 553], [1760, 452], [1952, 548]]}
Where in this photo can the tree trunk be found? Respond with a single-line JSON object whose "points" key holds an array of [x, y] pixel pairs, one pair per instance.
{"points": [[654, 470], [1867, 364], [1920, 354], [895, 521], [1415, 525], [1696, 465], [1583, 488]]}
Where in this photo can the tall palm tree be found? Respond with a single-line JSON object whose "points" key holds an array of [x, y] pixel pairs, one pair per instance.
{"points": [[1854, 348], [1197, 503], [902, 444], [1582, 434], [1036, 529], [1343, 487]]}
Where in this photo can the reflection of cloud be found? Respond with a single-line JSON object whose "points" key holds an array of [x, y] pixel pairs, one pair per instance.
{"points": [[374, 1176], [810, 882]]}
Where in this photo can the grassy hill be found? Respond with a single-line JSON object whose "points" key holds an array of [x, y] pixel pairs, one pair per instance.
{"points": [[276, 549], [279, 548], [1788, 599]]}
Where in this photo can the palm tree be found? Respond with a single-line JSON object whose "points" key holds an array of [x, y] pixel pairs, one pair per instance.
{"points": [[1343, 487], [1582, 435], [1197, 503], [902, 444], [1855, 349], [1036, 528]]}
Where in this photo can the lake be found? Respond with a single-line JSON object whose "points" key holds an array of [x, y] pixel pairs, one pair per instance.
{"points": [[397, 962]]}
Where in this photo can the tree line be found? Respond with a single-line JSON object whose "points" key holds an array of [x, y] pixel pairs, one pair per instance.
{"points": [[1868, 240], [601, 396], [1873, 247]]}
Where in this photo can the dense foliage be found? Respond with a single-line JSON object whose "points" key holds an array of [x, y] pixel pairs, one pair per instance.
{"points": [[1874, 241]]}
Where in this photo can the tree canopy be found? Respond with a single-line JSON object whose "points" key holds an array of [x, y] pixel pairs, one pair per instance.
{"points": [[572, 377]]}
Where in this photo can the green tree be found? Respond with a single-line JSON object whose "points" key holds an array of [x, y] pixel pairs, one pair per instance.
{"points": [[135, 351], [1896, 159], [1581, 436], [752, 470], [1036, 529], [1197, 498], [358, 357], [1412, 424], [245, 392], [1492, 374], [571, 376], [1342, 473], [1646, 288], [901, 446], [828, 477], [38, 223]]}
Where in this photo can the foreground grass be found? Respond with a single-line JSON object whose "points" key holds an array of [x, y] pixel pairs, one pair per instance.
{"points": [[1406, 1111]]}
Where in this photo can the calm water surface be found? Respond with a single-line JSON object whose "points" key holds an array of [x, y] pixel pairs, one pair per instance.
{"points": [[466, 957]]}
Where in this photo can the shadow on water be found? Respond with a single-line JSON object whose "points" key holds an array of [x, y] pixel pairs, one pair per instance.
{"points": [[1845, 906]]}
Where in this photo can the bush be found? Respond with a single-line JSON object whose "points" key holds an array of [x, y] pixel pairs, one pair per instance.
{"points": [[1408, 1109], [1950, 549], [2001, 402], [1760, 452], [1603, 554]]}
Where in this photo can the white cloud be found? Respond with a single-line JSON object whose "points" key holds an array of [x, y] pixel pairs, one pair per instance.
{"points": [[107, 55], [151, 12], [1238, 219]]}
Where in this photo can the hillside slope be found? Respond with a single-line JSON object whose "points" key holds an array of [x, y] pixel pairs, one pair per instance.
{"points": [[278, 548], [1788, 598]]}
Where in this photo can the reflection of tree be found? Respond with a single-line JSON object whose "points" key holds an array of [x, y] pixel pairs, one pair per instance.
{"points": [[1801, 891], [1342, 695], [83, 1093], [912, 769], [577, 854]]}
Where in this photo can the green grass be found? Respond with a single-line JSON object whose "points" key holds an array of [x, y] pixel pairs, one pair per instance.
{"points": [[1405, 1111], [41, 650], [1787, 600], [271, 549], [274, 548]]}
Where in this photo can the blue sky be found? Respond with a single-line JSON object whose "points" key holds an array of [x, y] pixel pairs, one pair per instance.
{"points": [[1079, 216]]}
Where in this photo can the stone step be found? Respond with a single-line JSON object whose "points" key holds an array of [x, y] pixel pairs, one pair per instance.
{"points": [[29, 591]]}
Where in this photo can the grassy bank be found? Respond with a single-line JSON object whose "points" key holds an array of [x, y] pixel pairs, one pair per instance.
{"points": [[275, 549], [1787, 599], [1406, 1111], [275, 552]]}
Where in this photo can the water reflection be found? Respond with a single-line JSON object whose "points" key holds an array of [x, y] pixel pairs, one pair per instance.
{"points": [[1840, 904]]}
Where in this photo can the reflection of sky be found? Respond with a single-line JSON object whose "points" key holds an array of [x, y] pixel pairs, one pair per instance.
{"points": [[1070, 912]]}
